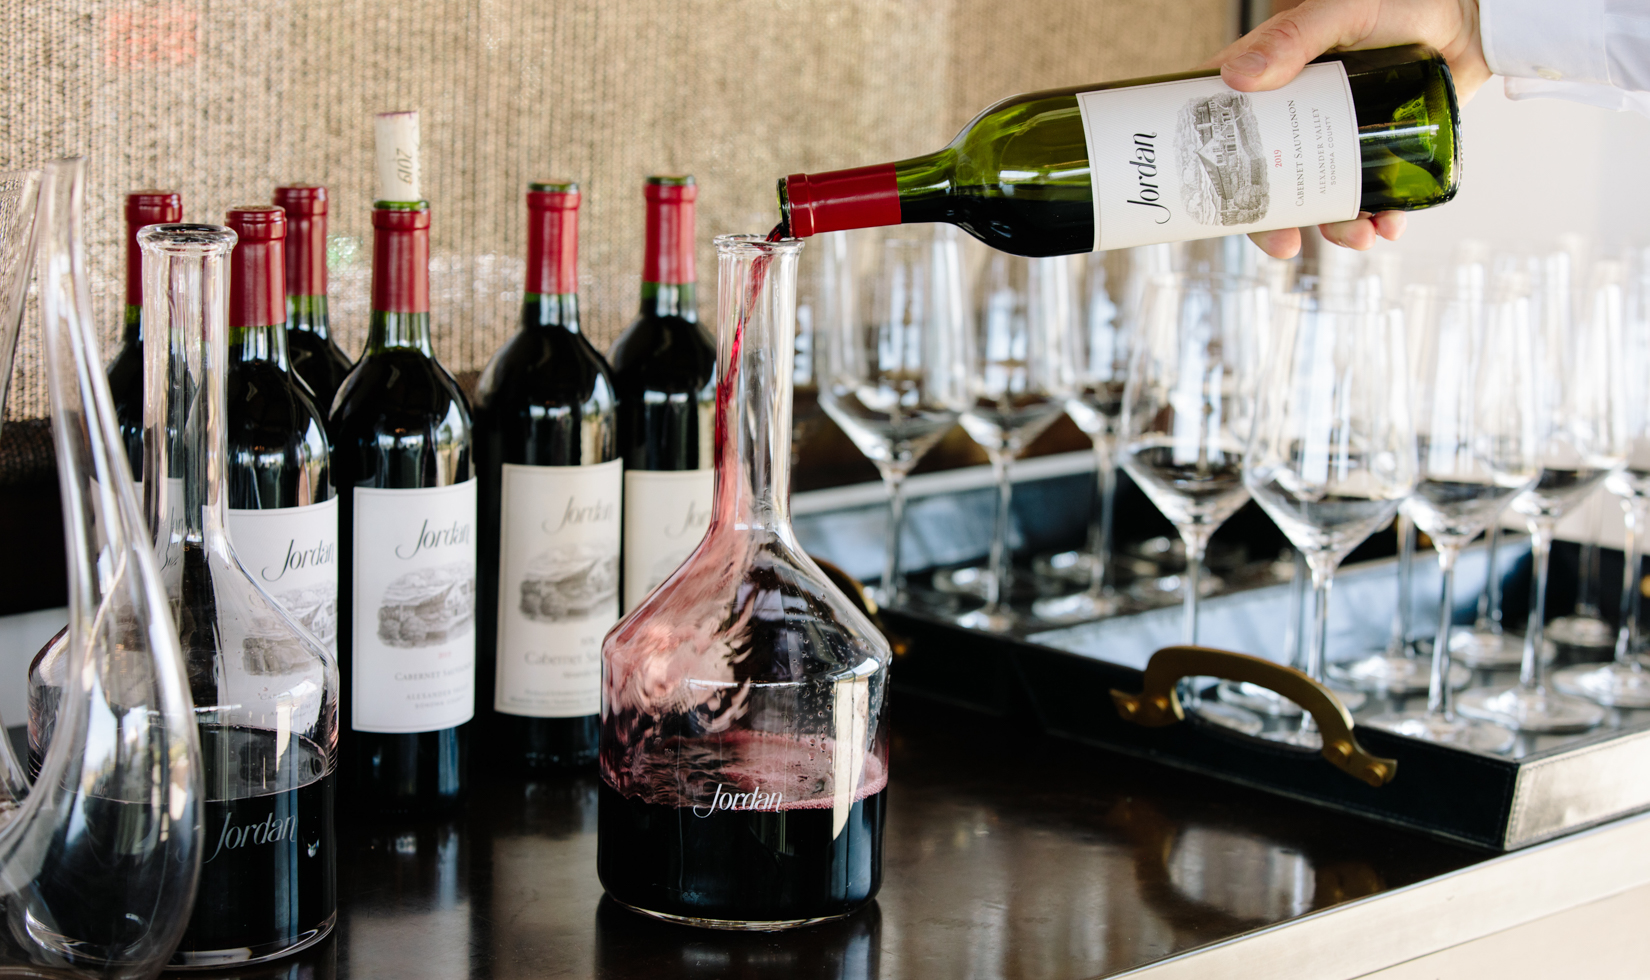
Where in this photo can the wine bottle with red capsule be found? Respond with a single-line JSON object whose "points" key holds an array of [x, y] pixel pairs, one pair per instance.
{"points": [[550, 484], [316, 357], [406, 523], [126, 369], [664, 367]]}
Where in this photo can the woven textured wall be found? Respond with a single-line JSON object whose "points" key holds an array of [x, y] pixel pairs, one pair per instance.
{"points": [[223, 99]]}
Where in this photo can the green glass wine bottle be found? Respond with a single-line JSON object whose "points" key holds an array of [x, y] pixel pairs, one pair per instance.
{"points": [[1172, 158]]}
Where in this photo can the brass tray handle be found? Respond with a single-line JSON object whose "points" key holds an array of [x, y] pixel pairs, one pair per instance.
{"points": [[1157, 704]]}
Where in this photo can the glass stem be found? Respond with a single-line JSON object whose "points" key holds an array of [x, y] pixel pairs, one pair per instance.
{"points": [[1440, 699], [1322, 580], [1492, 587], [1100, 531], [893, 583], [1535, 634], [1627, 638], [1399, 645], [1196, 537], [1292, 634], [1002, 462]]}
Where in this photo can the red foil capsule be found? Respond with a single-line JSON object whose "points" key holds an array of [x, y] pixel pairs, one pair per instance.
{"points": [[145, 208], [257, 267], [401, 260], [865, 197], [668, 259], [306, 238], [553, 238]]}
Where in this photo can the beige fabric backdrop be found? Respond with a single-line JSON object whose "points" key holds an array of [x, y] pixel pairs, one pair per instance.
{"points": [[224, 99]]}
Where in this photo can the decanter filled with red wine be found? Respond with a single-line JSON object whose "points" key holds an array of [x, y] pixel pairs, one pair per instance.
{"points": [[743, 752]]}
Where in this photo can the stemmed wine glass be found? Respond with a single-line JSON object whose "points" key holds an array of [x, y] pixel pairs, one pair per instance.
{"points": [[1332, 454], [1097, 346], [1187, 409], [1019, 381], [1580, 441], [1476, 449], [1624, 682], [892, 371]]}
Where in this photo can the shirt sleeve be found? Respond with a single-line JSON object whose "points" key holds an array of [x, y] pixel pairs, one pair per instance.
{"points": [[1591, 51]]}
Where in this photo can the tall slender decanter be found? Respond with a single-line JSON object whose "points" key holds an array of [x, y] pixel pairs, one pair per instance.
{"points": [[265, 688], [283, 514], [406, 522], [743, 754], [550, 482], [316, 357], [126, 370], [98, 865], [663, 366], [1167, 159]]}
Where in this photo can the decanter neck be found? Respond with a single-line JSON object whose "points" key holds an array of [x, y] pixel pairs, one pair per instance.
{"points": [[756, 319]]}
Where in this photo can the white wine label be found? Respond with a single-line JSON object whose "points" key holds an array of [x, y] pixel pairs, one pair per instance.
{"points": [[1174, 161], [558, 586], [666, 513], [414, 609], [293, 553]]}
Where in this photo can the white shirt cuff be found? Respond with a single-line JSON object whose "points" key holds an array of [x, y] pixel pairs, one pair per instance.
{"points": [[1555, 40], [1603, 96]]}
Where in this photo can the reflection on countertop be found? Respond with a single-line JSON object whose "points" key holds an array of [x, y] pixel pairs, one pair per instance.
{"points": [[1009, 855]]}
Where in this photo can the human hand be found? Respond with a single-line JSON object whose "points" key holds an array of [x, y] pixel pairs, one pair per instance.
{"points": [[1272, 54]]}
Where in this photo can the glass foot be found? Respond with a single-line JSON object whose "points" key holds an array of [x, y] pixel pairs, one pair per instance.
{"points": [[987, 620], [1162, 590], [1483, 650], [1226, 716], [1260, 700], [1530, 709], [970, 581], [1581, 631], [1463, 733], [1078, 608], [1072, 567], [1612, 684], [1386, 674]]}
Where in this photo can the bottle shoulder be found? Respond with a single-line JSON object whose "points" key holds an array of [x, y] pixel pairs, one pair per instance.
{"points": [[399, 387], [545, 367], [664, 349]]}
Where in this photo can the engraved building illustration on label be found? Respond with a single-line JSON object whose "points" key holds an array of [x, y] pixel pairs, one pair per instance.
{"points": [[570, 581], [429, 606], [1222, 161]]}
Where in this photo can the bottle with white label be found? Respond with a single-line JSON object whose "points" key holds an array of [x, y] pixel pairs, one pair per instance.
{"points": [[1166, 159], [550, 483], [664, 366], [406, 523], [283, 515]]}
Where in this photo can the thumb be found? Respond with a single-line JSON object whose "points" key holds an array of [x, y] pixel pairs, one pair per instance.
{"points": [[1275, 52]]}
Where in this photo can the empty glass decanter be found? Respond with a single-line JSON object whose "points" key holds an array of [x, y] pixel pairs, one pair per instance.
{"points": [[743, 754], [265, 688], [98, 865]]}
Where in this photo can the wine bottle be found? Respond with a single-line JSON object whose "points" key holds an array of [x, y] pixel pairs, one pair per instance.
{"points": [[283, 514], [550, 483], [126, 369], [315, 356], [1164, 159], [406, 522], [664, 367]]}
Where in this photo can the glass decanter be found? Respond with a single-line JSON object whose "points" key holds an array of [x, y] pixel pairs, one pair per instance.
{"points": [[265, 688], [99, 863], [743, 751]]}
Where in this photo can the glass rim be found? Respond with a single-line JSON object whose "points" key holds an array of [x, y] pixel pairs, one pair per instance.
{"points": [[756, 243], [185, 236], [1181, 277], [1314, 303]]}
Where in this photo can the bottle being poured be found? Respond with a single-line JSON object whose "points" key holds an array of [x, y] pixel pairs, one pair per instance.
{"points": [[743, 755]]}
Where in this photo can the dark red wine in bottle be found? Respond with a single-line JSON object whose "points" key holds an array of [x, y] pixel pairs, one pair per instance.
{"points": [[126, 370], [551, 483], [315, 356], [406, 523], [283, 514], [664, 367]]}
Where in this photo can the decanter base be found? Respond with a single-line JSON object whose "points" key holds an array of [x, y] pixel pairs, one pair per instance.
{"points": [[735, 925], [218, 959]]}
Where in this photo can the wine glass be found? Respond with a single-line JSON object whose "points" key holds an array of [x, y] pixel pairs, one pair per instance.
{"points": [[1332, 453], [891, 371], [1580, 441], [1624, 682], [1097, 346], [1187, 409], [1019, 380], [1476, 449]]}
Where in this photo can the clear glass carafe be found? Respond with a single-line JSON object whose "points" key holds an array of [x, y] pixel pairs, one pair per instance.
{"points": [[98, 865], [265, 688], [743, 753]]}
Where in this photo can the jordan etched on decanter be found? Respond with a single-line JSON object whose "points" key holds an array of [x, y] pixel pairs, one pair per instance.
{"points": [[743, 752], [265, 688]]}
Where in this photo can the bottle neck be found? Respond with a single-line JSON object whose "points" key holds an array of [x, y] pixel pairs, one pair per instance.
{"points": [[308, 314], [399, 331], [131, 331], [670, 299], [251, 345], [550, 311], [400, 279]]}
